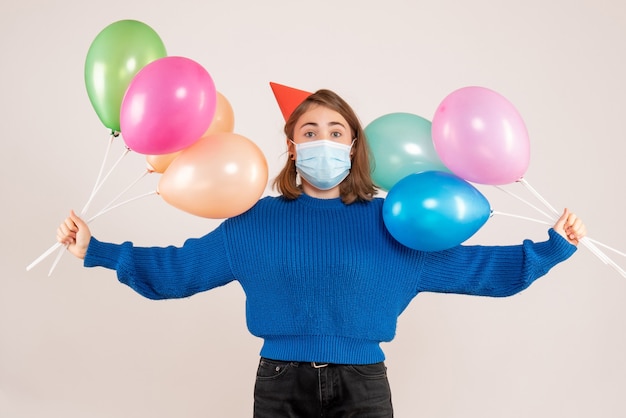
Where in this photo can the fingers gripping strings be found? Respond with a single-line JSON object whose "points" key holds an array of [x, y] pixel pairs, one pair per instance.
{"points": [[100, 180], [94, 191], [589, 243]]}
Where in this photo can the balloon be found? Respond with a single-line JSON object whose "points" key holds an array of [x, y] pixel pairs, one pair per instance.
{"points": [[224, 119], [401, 144], [219, 176], [168, 106], [159, 163], [115, 56], [481, 137], [433, 211]]}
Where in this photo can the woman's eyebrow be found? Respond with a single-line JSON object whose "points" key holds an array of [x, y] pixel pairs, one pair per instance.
{"points": [[308, 124], [314, 124]]}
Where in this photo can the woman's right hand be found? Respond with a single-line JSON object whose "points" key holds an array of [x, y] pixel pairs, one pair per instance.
{"points": [[74, 233]]}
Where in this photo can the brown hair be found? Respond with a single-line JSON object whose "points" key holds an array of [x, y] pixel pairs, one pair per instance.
{"points": [[358, 186]]}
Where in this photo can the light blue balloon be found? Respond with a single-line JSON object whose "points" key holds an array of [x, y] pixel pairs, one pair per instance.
{"points": [[401, 144], [434, 210]]}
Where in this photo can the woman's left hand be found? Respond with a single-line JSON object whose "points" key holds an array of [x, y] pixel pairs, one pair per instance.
{"points": [[570, 227]]}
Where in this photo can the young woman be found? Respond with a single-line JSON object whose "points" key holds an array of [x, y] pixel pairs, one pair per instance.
{"points": [[324, 280]]}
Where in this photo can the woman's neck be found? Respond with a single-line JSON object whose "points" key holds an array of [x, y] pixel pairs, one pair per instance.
{"points": [[320, 194]]}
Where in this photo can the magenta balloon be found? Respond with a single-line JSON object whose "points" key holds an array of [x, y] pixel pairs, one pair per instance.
{"points": [[168, 105], [481, 137]]}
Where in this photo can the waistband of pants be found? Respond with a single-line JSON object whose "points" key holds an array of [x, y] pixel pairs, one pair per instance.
{"points": [[313, 364]]}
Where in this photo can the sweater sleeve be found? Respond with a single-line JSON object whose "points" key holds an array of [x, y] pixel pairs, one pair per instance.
{"points": [[166, 272], [492, 270]]}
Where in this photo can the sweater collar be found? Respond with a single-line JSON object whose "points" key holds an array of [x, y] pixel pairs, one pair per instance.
{"points": [[316, 203]]}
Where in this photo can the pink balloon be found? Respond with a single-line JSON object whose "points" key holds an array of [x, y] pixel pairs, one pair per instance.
{"points": [[168, 105], [481, 137]]}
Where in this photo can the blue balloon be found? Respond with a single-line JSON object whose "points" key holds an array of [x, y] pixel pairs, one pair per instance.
{"points": [[434, 210]]}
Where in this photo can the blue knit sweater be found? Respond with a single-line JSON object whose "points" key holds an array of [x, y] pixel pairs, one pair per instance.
{"points": [[324, 281]]}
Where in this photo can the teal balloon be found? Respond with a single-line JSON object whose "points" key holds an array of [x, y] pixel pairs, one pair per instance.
{"points": [[434, 210], [401, 144]]}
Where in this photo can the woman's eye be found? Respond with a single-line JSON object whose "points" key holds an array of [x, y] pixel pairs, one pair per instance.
{"points": [[336, 134], [308, 134]]}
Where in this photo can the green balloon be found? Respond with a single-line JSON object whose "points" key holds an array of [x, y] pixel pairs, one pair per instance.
{"points": [[401, 144], [118, 53]]}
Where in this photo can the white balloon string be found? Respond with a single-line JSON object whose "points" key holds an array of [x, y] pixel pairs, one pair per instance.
{"points": [[607, 247], [494, 212], [585, 240], [618, 269], [98, 184], [56, 260], [524, 201], [610, 262], [95, 190], [538, 196], [598, 253], [548, 216], [102, 164], [595, 250], [101, 183], [102, 212], [43, 256], [91, 196], [123, 192]]}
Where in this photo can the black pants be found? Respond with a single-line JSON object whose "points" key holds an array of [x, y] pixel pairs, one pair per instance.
{"points": [[292, 389]]}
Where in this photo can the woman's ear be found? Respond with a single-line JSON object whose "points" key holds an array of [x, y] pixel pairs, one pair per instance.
{"points": [[291, 149]]}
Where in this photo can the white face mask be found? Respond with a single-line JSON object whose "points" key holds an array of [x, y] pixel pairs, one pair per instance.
{"points": [[323, 163]]}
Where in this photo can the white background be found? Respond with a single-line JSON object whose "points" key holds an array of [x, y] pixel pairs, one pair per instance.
{"points": [[79, 344]]}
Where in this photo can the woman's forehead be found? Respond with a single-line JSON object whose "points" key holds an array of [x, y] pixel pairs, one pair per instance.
{"points": [[321, 116]]}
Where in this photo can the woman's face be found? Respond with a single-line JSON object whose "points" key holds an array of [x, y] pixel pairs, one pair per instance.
{"points": [[320, 122], [317, 123]]}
